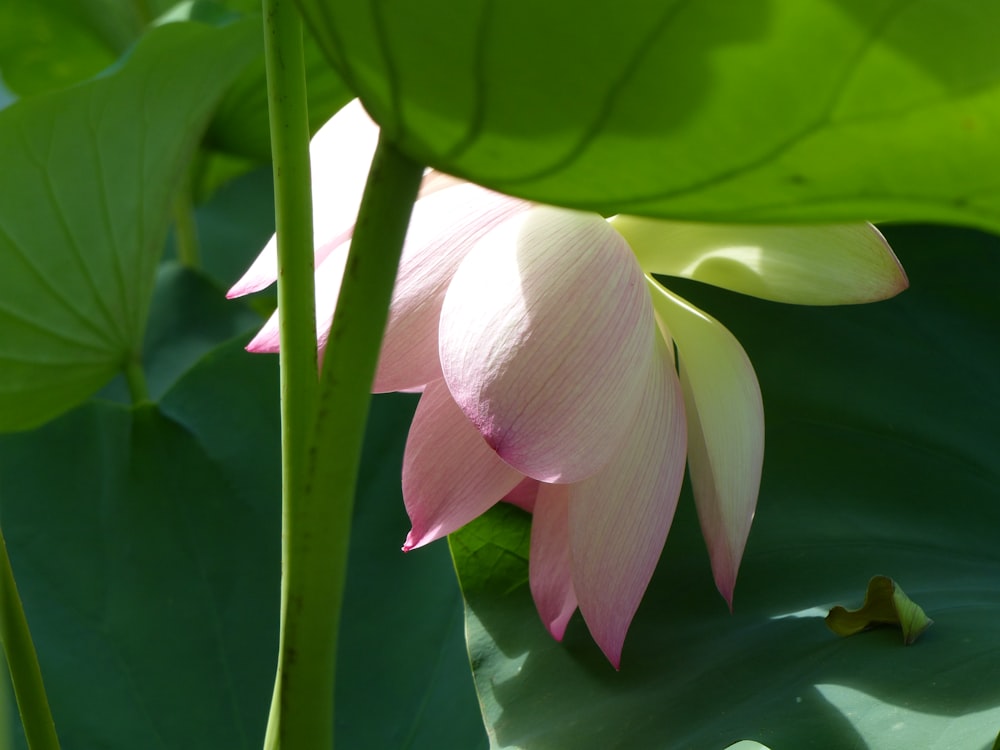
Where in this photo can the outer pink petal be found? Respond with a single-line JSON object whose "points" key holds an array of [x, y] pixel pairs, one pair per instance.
{"points": [[443, 229], [619, 519], [524, 495], [725, 417], [328, 278], [546, 334], [450, 475], [340, 155], [549, 568]]}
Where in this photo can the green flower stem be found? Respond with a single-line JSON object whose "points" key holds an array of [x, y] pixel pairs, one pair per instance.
{"points": [[185, 229], [25, 674], [135, 376], [318, 531], [288, 112]]}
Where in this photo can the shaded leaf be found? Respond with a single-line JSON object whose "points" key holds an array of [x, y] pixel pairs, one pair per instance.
{"points": [[885, 604], [768, 110], [89, 174], [49, 44], [881, 443], [240, 126]]}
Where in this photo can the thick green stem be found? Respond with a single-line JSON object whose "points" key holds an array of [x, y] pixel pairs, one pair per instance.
{"points": [[318, 530], [289, 121], [25, 674]]}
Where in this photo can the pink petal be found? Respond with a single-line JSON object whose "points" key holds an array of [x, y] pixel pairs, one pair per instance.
{"points": [[524, 495], [545, 338], [443, 229], [725, 416], [328, 278], [619, 519], [340, 155], [835, 264], [549, 570], [450, 475]]}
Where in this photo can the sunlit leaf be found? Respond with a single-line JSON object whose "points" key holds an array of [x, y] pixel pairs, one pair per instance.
{"points": [[881, 455], [88, 178], [750, 111], [885, 604]]}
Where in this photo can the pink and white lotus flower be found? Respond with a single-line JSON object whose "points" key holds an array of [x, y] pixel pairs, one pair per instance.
{"points": [[557, 373]]}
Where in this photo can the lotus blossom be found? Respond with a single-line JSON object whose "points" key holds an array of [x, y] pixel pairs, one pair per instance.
{"points": [[558, 374]]}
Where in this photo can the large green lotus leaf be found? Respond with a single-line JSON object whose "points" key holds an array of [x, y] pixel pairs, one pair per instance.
{"points": [[88, 178], [882, 458], [759, 110], [148, 563]]}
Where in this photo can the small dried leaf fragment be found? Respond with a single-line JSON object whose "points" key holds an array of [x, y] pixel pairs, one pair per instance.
{"points": [[885, 604]]}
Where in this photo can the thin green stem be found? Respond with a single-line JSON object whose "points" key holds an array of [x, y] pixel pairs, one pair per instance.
{"points": [[318, 531], [135, 376], [185, 229], [25, 674], [288, 111]]}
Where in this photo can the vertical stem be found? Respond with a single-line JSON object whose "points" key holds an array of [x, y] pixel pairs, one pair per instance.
{"points": [[288, 111], [185, 229], [25, 674], [135, 376], [318, 532]]}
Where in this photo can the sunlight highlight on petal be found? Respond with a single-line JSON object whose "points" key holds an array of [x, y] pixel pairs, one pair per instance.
{"points": [[430, 258], [725, 418], [546, 333], [835, 264]]}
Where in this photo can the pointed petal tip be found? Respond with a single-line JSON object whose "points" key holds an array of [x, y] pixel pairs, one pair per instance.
{"points": [[613, 653], [725, 582], [409, 543]]}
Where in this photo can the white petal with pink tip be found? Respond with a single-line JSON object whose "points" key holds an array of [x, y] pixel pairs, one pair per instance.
{"points": [[546, 334], [725, 416], [340, 154]]}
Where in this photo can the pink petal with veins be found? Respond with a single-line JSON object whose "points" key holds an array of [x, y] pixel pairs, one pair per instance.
{"points": [[619, 518], [546, 335], [450, 475], [445, 226], [340, 154], [549, 567]]}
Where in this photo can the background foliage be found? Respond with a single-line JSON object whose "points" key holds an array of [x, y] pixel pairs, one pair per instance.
{"points": [[146, 538]]}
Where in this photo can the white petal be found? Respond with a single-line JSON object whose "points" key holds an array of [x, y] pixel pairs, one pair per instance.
{"points": [[833, 264], [725, 417]]}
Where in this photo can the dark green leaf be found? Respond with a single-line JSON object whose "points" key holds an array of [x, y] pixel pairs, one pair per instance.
{"points": [[89, 175], [885, 604], [760, 110], [149, 560], [240, 125], [881, 455]]}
